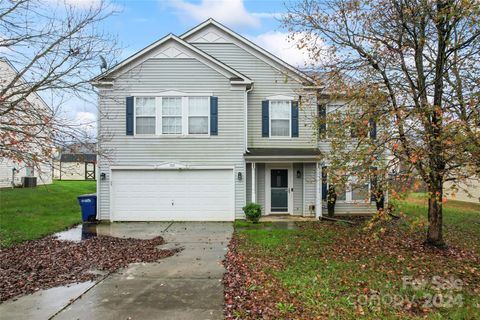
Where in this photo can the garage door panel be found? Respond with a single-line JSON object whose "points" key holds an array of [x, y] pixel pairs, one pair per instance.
{"points": [[181, 195]]}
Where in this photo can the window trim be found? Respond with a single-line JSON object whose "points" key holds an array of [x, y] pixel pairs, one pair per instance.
{"points": [[185, 116], [270, 118]]}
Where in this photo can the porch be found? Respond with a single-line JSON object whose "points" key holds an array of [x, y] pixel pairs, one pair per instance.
{"points": [[284, 181], [288, 182]]}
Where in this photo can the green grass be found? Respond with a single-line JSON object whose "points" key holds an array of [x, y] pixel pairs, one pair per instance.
{"points": [[461, 220], [329, 267], [32, 213]]}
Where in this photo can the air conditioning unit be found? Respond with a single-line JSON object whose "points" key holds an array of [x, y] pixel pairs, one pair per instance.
{"points": [[29, 182]]}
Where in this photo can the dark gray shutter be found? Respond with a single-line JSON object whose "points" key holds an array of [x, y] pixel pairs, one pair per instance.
{"points": [[322, 120], [265, 119], [214, 116], [129, 116], [373, 183], [294, 118], [324, 183], [373, 128]]}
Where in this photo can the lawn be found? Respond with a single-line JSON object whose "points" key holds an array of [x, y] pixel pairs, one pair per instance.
{"points": [[32, 213], [461, 219], [333, 270]]}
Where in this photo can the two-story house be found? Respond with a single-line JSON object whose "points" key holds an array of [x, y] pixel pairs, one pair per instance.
{"points": [[197, 126], [21, 146]]}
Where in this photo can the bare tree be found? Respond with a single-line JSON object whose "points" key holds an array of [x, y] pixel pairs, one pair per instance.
{"points": [[410, 67], [56, 48]]}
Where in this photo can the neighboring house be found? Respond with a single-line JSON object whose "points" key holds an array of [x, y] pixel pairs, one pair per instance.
{"points": [[11, 172], [468, 191], [201, 124], [77, 162]]}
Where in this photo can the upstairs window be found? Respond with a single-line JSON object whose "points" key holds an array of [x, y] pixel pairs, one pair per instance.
{"points": [[280, 111], [198, 113], [172, 115], [145, 115]]}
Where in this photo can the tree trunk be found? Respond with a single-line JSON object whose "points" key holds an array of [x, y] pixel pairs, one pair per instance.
{"points": [[435, 221]]}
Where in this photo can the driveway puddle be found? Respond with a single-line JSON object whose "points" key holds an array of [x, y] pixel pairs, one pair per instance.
{"points": [[81, 232]]}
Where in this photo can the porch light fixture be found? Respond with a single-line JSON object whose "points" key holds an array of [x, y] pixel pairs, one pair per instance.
{"points": [[239, 176], [103, 176], [299, 174]]}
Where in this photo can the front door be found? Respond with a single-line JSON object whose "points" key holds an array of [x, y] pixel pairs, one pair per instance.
{"points": [[279, 190]]}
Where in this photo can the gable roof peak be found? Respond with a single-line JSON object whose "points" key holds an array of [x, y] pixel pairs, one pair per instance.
{"points": [[271, 57], [156, 44]]}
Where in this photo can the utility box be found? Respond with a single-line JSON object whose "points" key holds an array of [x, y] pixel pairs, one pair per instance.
{"points": [[29, 182]]}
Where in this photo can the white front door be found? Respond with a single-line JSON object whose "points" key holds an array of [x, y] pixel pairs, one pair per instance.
{"points": [[279, 191]]}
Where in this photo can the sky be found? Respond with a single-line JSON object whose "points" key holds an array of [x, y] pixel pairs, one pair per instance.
{"points": [[139, 23]]}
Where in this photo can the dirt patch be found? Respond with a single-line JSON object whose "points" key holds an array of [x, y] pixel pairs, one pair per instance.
{"points": [[48, 262]]}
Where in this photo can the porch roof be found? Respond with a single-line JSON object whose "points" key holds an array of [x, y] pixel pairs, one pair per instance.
{"points": [[282, 154]]}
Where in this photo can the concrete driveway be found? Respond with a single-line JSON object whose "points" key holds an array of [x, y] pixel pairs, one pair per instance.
{"points": [[185, 286]]}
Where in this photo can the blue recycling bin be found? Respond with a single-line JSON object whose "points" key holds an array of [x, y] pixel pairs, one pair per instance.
{"points": [[88, 204]]}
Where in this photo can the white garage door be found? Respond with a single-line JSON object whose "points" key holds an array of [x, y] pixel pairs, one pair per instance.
{"points": [[180, 195]]}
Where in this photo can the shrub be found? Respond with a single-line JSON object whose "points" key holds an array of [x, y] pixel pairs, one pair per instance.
{"points": [[253, 211]]}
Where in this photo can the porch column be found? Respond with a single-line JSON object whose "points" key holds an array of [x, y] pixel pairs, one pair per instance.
{"points": [[254, 183], [318, 189]]}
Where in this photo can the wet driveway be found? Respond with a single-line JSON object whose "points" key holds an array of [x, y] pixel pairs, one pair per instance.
{"points": [[185, 286]]}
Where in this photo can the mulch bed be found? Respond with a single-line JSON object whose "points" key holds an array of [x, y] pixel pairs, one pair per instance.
{"points": [[47, 263], [249, 292]]}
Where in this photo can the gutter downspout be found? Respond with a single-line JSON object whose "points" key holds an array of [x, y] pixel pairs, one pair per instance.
{"points": [[246, 117]]}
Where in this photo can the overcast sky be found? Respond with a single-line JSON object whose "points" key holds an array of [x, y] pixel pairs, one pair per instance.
{"points": [[139, 23]]}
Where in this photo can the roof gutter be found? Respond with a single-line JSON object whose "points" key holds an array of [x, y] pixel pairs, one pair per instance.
{"points": [[246, 117]]}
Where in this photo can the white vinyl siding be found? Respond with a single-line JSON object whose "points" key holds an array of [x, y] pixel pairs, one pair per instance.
{"points": [[151, 78], [145, 115], [309, 187], [298, 189], [268, 81], [280, 118]]}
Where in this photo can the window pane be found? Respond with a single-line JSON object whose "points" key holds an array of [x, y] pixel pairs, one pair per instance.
{"points": [[360, 193], [145, 106], [198, 125], [341, 193], [280, 128], [280, 109], [145, 125], [198, 106], [172, 106], [172, 125]]}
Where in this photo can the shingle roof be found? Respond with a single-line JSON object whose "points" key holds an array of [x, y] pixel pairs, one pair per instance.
{"points": [[282, 152], [78, 157]]}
